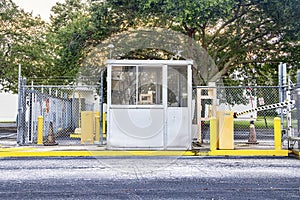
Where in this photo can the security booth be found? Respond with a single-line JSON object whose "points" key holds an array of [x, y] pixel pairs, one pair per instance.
{"points": [[149, 104]]}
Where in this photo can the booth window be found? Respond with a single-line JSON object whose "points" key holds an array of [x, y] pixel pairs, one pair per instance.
{"points": [[136, 85], [177, 86], [150, 85], [123, 81]]}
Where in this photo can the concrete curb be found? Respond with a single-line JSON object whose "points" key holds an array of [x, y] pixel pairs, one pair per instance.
{"points": [[94, 152]]}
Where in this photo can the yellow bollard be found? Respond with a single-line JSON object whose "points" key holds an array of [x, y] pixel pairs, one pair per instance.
{"points": [[97, 127], [104, 123], [40, 130], [277, 134], [213, 134]]}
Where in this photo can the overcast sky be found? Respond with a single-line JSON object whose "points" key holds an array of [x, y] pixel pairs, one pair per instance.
{"points": [[38, 7]]}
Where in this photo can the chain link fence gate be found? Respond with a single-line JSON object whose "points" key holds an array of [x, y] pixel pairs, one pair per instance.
{"points": [[295, 118], [242, 98], [61, 108]]}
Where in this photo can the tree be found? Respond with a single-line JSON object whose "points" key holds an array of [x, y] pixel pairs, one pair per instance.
{"points": [[22, 41], [283, 47], [236, 33], [246, 36], [67, 35], [76, 27]]}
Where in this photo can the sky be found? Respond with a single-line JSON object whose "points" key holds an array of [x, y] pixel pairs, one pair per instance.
{"points": [[37, 7]]}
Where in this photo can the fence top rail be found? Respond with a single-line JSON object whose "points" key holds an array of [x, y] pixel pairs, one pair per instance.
{"points": [[246, 87], [63, 86]]}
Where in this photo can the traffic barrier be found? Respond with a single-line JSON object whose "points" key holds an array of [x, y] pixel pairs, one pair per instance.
{"points": [[268, 107]]}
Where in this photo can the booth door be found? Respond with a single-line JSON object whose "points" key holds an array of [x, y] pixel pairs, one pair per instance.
{"points": [[178, 134]]}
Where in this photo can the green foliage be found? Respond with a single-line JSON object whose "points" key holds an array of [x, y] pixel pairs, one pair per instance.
{"points": [[236, 33], [22, 41], [68, 34], [246, 36]]}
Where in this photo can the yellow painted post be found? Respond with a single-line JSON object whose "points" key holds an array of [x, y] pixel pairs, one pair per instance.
{"points": [[40, 130], [277, 133], [97, 127], [104, 123], [213, 134]]}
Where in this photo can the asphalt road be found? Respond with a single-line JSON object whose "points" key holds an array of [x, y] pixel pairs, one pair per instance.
{"points": [[150, 178]]}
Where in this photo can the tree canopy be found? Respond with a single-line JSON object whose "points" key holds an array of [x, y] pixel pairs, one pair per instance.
{"points": [[246, 39], [22, 41]]}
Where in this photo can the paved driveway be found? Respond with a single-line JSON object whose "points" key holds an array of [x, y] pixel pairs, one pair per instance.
{"points": [[150, 178]]}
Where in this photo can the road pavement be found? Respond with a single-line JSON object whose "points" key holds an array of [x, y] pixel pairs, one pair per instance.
{"points": [[150, 178]]}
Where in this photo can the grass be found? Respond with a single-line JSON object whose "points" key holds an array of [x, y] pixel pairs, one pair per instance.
{"points": [[260, 122]]}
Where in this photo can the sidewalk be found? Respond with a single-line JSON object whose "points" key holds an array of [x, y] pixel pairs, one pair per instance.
{"points": [[9, 148], [12, 150]]}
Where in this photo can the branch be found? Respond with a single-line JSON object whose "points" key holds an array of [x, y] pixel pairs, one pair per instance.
{"points": [[224, 70], [236, 16], [222, 47], [259, 61]]}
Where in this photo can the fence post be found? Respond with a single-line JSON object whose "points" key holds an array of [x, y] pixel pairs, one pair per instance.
{"points": [[277, 133], [18, 120], [40, 130], [101, 104], [199, 123], [298, 103]]}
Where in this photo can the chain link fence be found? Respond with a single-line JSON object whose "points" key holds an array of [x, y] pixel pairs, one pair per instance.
{"points": [[61, 109], [240, 99]]}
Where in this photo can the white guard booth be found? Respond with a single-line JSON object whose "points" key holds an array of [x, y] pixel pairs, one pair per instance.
{"points": [[149, 104]]}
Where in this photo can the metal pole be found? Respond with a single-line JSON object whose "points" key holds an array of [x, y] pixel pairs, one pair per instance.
{"points": [[289, 110], [282, 83], [18, 121], [280, 69], [298, 104], [30, 120], [101, 105], [23, 117]]}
